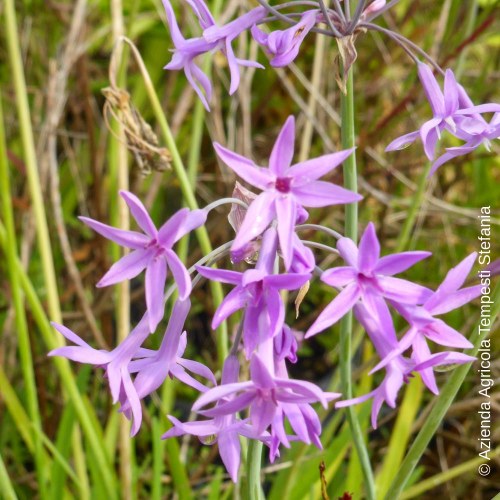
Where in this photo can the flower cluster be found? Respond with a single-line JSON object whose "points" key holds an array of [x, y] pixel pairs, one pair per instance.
{"points": [[269, 397], [268, 405]]}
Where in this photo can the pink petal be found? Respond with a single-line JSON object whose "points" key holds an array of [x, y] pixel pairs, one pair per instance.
{"points": [[399, 262], [369, 250], [323, 194], [127, 267], [286, 214], [139, 213], [337, 308], [129, 239], [315, 168], [282, 153], [156, 275], [245, 168]]}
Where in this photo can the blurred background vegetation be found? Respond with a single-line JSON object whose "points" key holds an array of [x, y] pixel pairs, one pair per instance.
{"points": [[60, 436]]}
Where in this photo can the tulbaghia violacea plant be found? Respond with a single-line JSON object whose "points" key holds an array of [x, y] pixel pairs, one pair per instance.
{"points": [[274, 261]]}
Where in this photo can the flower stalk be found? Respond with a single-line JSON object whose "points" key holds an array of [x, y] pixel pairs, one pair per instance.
{"points": [[351, 231]]}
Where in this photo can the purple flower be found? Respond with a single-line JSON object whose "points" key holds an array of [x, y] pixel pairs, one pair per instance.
{"points": [[264, 394], [423, 324], [476, 131], [214, 38], [186, 51], [256, 290], [151, 251], [399, 369], [452, 111], [224, 430], [153, 367], [284, 44], [285, 189], [368, 277], [225, 35], [115, 362]]}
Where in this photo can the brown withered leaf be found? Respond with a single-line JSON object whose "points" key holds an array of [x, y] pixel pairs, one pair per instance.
{"points": [[344, 60], [141, 140], [301, 296]]}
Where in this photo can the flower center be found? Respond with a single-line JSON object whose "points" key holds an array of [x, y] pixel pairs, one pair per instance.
{"points": [[282, 184]]}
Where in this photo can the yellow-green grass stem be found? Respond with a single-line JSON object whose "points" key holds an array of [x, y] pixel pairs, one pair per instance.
{"points": [[21, 324], [83, 411], [348, 138]]}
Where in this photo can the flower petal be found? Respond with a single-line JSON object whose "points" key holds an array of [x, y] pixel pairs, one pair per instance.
{"points": [[399, 262], [221, 275], [156, 275], [337, 308], [348, 251], [236, 299], [139, 213], [181, 276], [259, 215], [282, 153], [323, 194], [369, 250], [127, 267], [129, 239], [403, 291], [311, 170], [245, 168]]}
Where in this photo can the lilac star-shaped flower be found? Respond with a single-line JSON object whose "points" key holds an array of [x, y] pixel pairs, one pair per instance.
{"points": [[214, 38], [153, 367], [116, 364], [257, 290], [151, 251], [264, 394], [223, 430], [399, 369], [284, 45], [454, 112], [285, 189], [423, 324], [367, 278]]}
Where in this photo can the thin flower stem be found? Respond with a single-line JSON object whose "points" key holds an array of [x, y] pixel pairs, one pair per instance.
{"points": [[320, 246], [347, 10], [185, 185], [328, 20], [435, 418], [318, 227], [119, 161], [351, 231], [25, 354], [225, 201], [254, 463], [35, 187], [357, 15], [338, 10]]}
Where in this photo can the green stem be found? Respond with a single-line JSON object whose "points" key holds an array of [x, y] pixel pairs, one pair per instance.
{"points": [[83, 412], [351, 231], [435, 418], [254, 462], [35, 187], [186, 189], [20, 314], [5, 482]]}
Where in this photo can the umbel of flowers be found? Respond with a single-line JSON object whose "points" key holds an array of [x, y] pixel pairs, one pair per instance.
{"points": [[365, 282]]}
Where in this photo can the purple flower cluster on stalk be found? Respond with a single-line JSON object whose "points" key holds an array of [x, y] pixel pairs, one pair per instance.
{"points": [[270, 406], [454, 112]]}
